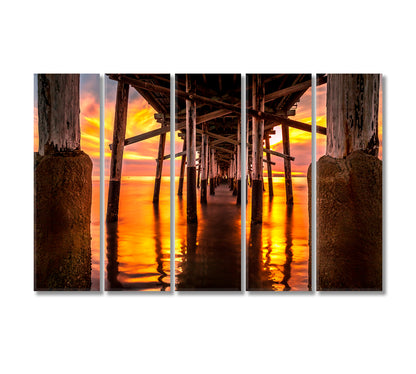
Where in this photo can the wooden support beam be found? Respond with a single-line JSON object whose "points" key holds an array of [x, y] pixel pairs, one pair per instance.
{"points": [[187, 95], [269, 168], [198, 176], [234, 187], [119, 133], [222, 149], [182, 172], [352, 114], [248, 176], [288, 167], [159, 166], [204, 164], [191, 152], [285, 121], [277, 120], [268, 162], [232, 172], [293, 89], [178, 126], [226, 108], [239, 162], [58, 113], [278, 154], [179, 154], [220, 137], [211, 172], [257, 150]]}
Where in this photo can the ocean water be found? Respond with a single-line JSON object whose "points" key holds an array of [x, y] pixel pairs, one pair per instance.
{"points": [[278, 250], [138, 246]]}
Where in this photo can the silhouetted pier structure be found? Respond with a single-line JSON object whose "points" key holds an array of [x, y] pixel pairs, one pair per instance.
{"points": [[208, 119], [271, 99], [155, 89]]}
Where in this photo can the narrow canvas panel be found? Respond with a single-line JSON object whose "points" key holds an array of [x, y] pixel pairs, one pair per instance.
{"points": [[208, 182], [278, 157], [67, 185], [349, 183], [137, 182]]}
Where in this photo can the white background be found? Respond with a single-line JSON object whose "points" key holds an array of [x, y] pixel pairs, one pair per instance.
{"points": [[287, 333]]}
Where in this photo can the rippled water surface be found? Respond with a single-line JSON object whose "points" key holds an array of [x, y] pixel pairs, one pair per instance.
{"points": [[138, 246], [278, 250], [208, 255]]}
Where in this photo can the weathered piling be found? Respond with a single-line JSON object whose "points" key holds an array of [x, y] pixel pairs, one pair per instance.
{"points": [[235, 172], [191, 153], [287, 163], [159, 163], [63, 189], [232, 173], [239, 162], [58, 111], [211, 173], [204, 164], [354, 126], [349, 187], [269, 166], [119, 133], [247, 161], [112, 257], [182, 172], [257, 151]]}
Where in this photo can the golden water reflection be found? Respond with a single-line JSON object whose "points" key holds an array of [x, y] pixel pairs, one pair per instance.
{"points": [[138, 246], [278, 250]]}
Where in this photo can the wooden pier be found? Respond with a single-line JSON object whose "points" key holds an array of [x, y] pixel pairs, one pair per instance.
{"points": [[155, 89], [271, 99], [208, 122]]}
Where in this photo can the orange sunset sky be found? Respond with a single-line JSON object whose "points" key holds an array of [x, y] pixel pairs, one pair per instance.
{"points": [[139, 158]]}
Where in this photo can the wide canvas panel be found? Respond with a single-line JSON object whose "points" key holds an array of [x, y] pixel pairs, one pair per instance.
{"points": [[67, 189], [349, 202], [137, 182], [279, 149], [208, 182]]}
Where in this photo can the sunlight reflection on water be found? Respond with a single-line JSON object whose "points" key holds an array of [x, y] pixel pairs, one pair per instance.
{"points": [[278, 250], [138, 247]]}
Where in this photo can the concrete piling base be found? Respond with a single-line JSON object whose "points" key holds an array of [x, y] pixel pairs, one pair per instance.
{"points": [[349, 222], [63, 193]]}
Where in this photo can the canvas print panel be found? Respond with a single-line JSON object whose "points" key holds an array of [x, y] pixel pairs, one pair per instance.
{"points": [[279, 153], [137, 183], [208, 182], [349, 183], [67, 191]]}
